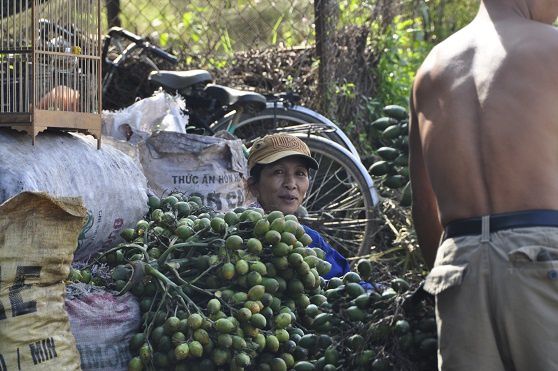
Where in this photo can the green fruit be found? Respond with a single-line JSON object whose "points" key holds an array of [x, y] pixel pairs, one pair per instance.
{"points": [[136, 341], [304, 366], [283, 320], [272, 237], [308, 341], [331, 355], [182, 209], [241, 267], [168, 202], [355, 314], [288, 238], [260, 341], [318, 299], [218, 225], [231, 218], [153, 202], [354, 289], [194, 321], [224, 325], [254, 246], [281, 248], [195, 349], [239, 297], [295, 287], [401, 160], [224, 340], [128, 234], [379, 168], [388, 153], [259, 267], [256, 292], [365, 357], [244, 314], [213, 306], [278, 364], [402, 327], [305, 239], [253, 278], [202, 336], [392, 132], [363, 301], [395, 111], [220, 356], [227, 271], [399, 285], [258, 321], [389, 293], [321, 319], [271, 285], [135, 364], [178, 338], [171, 325], [351, 277], [234, 242], [295, 259], [282, 335], [145, 353], [406, 196], [272, 343], [242, 360], [261, 227], [395, 181], [380, 364], [383, 122], [364, 268]]}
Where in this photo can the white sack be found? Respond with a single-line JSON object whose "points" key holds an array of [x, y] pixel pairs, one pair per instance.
{"points": [[161, 112], [111, 184]]}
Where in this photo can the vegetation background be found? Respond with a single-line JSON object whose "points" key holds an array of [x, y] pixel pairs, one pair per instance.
{"points": [[347, 58]]}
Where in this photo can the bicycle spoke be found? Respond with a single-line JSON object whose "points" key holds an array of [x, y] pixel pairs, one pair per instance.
{"points": [[315, 198]]}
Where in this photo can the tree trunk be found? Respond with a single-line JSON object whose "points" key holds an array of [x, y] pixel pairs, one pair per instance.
{"points": [[113, 13], [326, 16]]}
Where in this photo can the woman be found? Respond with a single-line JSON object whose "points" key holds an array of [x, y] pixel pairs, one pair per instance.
{"points": [[279, 167]]}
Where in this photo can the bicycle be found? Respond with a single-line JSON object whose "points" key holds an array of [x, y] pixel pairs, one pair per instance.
{"points": [[341, 199]]}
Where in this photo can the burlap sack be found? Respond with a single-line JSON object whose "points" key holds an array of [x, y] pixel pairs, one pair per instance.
{"points": [[38, 236]]}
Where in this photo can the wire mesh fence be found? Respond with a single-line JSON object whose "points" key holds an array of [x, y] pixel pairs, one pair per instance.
{"points": [[270, 45], [210, 31]]}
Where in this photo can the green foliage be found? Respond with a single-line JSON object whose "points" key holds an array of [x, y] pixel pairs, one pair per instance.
{"points": [[404, 50], [355, 12]]}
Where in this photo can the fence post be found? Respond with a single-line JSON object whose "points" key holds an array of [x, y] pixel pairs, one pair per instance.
{"points": [[113, 13], [325, 20]]}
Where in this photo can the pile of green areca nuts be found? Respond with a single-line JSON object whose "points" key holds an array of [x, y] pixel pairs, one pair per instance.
{"points": [[242, 290]]}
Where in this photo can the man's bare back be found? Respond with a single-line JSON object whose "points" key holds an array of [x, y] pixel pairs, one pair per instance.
{"points": [[484, 119]]}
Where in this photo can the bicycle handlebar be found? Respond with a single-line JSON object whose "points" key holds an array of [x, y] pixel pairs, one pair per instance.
{"points": [[139, 41]]}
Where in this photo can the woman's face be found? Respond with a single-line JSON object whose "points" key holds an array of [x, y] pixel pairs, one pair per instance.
{"points": [[282, 186]]}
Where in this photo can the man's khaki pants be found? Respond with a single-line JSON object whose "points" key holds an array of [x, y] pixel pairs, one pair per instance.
{"points": [[497, 301]]}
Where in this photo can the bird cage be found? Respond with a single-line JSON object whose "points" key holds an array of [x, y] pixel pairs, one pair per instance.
{"points": [[50, 65]]}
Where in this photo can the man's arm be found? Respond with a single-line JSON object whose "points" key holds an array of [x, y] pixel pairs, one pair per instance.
{"points": [[424, 210]]}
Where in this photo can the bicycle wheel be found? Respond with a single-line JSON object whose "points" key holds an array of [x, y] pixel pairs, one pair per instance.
{"points": [[341, 199], [277, 117]]}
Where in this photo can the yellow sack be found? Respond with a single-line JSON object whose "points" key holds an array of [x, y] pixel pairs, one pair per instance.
{"points": [[38, 236]]}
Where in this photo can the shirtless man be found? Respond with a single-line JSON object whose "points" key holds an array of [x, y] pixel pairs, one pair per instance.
{"points": [[484, 173]]}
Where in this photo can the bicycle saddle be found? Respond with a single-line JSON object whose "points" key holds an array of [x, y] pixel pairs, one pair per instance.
{"points": [[180, 79], [230, 97]]}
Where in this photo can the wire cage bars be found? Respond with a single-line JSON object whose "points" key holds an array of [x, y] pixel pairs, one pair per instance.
{"points": [[50, 65]]}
